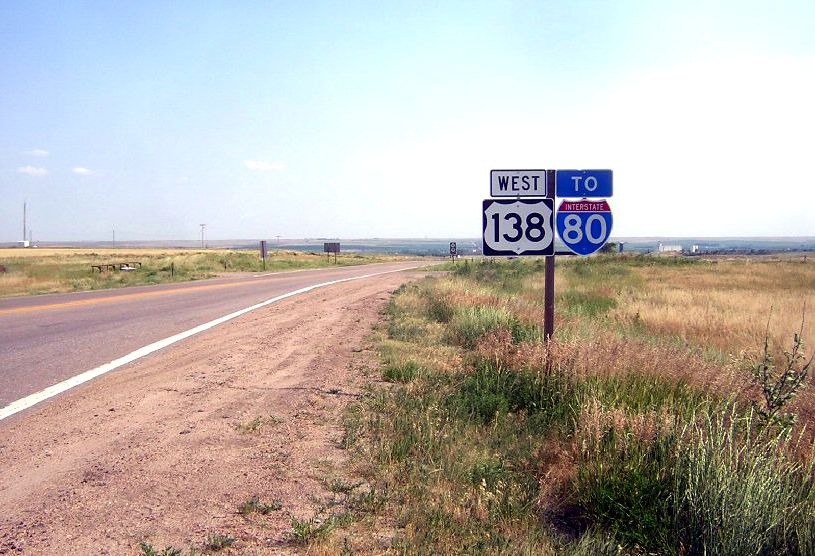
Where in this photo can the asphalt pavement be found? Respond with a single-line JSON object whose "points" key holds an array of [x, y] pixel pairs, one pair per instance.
{"points": [[50, 338]]}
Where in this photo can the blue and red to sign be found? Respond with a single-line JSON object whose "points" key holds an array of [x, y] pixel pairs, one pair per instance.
{"points": [[584, 183], [584, 226]]}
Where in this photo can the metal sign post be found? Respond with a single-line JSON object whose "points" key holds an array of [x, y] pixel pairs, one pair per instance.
{"points": [[549, 278], [263, 252]]}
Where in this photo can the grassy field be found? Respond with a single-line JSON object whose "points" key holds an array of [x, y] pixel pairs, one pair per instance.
{"points": [[654, 423], [36, 271]]}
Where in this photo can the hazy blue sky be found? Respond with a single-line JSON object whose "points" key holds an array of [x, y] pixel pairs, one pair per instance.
{"points": [[363, 119]]}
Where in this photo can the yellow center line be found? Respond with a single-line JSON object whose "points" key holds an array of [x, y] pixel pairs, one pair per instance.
{"points": [[123, 297]]}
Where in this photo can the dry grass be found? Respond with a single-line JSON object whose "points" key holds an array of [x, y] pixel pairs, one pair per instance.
{"points": [[35, 271], [502, 444], [725, 304], [6, 253]]}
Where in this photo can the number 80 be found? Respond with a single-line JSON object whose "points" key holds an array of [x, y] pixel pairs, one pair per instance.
{"points": [[573, 229]]}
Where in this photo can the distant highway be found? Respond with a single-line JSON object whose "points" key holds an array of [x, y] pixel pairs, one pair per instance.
{"points": [[47, 339]]}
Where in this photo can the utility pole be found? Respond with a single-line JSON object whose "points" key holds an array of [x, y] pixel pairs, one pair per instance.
{"points": [[278, 240], [113, 240], [202, 235], [24, 231]]}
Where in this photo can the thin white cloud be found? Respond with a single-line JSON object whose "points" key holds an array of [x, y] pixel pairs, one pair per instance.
{"points": [[32, 171], [81, 171], [262, 165], [37, 152]]}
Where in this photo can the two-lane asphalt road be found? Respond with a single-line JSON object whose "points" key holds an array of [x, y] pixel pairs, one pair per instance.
{"points": [[47, 339]]}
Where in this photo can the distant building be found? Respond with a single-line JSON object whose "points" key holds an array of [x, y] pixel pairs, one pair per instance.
{"points": [[694, 248], [662, 248], [24, 243]]}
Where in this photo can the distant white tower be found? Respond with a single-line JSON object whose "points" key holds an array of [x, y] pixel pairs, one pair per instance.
{"points": [[24, 242]]}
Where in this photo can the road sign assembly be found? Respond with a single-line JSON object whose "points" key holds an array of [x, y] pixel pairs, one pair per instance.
{"points": [[524, 226], [584, 183], [453, 249], [518, 227], [584, 226], [331, 247]]}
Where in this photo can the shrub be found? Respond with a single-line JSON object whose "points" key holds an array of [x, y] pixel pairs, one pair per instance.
{"points": [[778, 388]]}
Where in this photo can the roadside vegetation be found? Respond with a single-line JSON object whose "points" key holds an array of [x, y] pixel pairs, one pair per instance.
{"points": [[671, 414], [37, 271]]}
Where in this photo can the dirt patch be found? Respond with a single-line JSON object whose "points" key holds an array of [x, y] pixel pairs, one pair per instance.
{"points": [[167, 449]]}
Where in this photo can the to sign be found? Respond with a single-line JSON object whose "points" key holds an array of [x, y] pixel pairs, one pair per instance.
{"points": [[518, 183], [584, 183], [519, 227], [584, 226]]}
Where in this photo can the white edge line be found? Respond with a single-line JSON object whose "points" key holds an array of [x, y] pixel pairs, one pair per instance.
{"points": [[51, 391]]}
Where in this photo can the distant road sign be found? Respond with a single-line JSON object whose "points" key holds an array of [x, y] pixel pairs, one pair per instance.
{"points": [[518, 183], [453, 249], [331, 247], [584, 226], [584, 183], [519, 227]]}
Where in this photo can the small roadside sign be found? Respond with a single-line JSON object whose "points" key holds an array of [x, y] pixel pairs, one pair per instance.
{"points": [[518, 183], [584, 226], [584, 183], [518, 227], [453, 249]]}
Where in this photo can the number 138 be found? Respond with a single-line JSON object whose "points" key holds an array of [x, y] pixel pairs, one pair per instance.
{"points": [[532, 228]]}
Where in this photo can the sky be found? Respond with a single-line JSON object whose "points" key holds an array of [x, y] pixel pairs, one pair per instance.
{"points": [[383, 119]]}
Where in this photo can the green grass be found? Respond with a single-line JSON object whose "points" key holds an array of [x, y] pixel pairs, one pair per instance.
{"points": [[490, 393], [585, 304], [738, 492], [401, 373], [478, 447], [470, 324]]}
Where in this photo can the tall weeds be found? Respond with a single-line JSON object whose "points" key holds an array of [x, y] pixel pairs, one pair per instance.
{"points": [[738, 490], [607, 440]]}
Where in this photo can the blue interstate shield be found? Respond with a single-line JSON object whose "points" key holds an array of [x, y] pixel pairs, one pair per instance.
{"points": [[584, 226]]}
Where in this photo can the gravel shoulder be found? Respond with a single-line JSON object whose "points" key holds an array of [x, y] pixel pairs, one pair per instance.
{"points": [[166, 449]]}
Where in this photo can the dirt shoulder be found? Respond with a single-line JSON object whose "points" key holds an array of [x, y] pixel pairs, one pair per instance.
{"points": [[165, 450]]}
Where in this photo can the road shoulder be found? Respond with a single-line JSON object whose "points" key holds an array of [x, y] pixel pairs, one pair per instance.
{"points": [[168, 449]]}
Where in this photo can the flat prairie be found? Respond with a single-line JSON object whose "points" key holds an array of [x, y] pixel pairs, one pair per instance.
{"points": [[45, 270]]}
